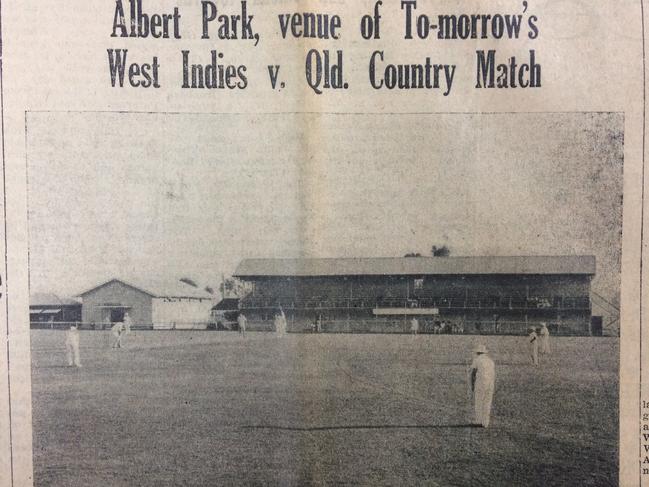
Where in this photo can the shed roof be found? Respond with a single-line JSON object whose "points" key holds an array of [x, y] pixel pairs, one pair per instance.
{"points": [[159, 289], [50, 299], [371, 266], [227, 304]]}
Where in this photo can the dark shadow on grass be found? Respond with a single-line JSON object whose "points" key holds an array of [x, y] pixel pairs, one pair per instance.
{"points": [[465, 364], [71, 367], [360, 427]]}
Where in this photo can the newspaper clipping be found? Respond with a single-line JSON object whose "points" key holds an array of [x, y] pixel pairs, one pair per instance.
{"points": [[381, 242]]}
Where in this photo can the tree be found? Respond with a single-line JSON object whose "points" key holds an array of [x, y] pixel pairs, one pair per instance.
{"points": [[188, 281], [442, 251], [233, 287], [413, 254]]}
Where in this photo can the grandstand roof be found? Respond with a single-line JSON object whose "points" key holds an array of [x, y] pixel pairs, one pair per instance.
{"points": [[159, 289], [412, 266]]}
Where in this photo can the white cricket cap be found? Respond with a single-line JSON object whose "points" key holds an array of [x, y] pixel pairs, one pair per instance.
{"points": [[480, 349]]}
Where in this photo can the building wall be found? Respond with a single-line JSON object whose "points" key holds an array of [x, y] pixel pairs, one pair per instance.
{"points": [[71, 312], [181, 312], [116, 294]]}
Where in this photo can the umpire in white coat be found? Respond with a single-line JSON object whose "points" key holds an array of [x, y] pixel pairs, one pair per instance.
{"points": [[482, 378]]}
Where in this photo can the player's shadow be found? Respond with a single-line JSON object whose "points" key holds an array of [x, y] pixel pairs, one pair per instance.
{"points": [[53, 367], [465, 364], [360, 427]]}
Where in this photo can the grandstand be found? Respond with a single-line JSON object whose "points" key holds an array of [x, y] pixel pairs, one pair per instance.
{"points": [[478, 294]]}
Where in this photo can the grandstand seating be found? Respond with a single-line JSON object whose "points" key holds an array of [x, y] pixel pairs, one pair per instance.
{"points": [[384, 301]]}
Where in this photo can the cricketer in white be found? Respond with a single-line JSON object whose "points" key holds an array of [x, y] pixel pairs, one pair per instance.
{"points": [[72, 346], [482, 377]]}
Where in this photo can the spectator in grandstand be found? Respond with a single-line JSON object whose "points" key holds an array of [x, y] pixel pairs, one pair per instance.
{"points": [[533, 343], [545, 339], [72, 346], [496, 323], [242, 321], [482, 378], [414, 326], [117, 330]]}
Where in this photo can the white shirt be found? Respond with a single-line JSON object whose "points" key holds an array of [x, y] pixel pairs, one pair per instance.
{"points": [[483, 371], [72, 337]]}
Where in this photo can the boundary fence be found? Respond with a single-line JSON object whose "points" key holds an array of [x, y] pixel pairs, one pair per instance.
{"points": [[360, 326]]}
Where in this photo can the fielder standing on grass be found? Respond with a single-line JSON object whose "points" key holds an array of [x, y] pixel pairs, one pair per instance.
{"points": [[242, 321], [533, 343], [72, 346], [116, 331], [280, 324], [414, 326], [545, 339], [128, 322], [482, 379], [282, 318]]}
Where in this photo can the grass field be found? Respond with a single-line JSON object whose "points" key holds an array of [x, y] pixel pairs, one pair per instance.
{"points": [[211, 408]]}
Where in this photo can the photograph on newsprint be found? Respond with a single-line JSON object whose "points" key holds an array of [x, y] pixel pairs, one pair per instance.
{"points": [[462, 330], [323, 242]]}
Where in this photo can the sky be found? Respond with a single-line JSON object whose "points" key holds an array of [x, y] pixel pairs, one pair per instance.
{"points": [[188, 195]]}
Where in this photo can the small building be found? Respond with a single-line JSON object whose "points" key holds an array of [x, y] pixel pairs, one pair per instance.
{"points": [[49, 308], [472, 294], [225, 313], [162, 305]]}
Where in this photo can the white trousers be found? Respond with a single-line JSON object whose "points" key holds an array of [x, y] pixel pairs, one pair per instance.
{"points": [[482, 400], [73, 353], [534, 355]]}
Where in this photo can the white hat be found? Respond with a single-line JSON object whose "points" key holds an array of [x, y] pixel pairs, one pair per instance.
{"points": [[480, 349]]}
